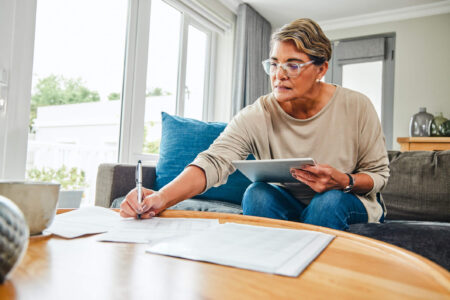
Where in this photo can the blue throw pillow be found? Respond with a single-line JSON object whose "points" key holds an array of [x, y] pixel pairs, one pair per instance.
{"points": [[181, 140]]}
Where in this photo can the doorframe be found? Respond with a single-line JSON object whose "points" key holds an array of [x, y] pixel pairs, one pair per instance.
{"points": [[18, 22], [334, 75]]}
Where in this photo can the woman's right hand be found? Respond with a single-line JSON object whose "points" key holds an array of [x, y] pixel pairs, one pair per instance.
{"points": [[152, 204]]}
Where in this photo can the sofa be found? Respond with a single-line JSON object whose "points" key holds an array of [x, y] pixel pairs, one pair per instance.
{"points": [[417, 195]]}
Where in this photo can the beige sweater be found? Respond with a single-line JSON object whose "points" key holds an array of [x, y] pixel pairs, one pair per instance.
{"points": [[345, 134]]}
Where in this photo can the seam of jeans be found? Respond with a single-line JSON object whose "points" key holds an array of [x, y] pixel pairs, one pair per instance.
{"points": [[354, 212]]}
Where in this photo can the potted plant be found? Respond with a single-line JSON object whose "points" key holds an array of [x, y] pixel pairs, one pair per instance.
{"points": [[72, 181]]}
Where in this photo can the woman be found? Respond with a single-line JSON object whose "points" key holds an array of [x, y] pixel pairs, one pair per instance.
{"points": [[302, 117]]}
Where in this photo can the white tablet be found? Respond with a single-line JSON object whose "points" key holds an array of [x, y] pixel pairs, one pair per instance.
{"points": [[271, 170]]}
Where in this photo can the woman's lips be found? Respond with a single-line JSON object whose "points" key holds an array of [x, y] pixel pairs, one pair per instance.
{"points": [[282, 88]]}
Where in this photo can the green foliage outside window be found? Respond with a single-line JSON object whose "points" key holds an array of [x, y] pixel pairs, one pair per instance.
{"points": [[157, 92], [57, 90], [114, 96], [152, 146], [68, 178]]}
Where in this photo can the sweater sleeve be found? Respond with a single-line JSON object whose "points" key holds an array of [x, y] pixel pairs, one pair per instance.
{"points": [[372, 155], [234, 143]]}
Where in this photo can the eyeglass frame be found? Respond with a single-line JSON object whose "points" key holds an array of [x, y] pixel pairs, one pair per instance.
{"points": [[284, 66]]}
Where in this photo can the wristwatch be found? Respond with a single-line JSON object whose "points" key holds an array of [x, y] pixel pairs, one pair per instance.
{"points": [[349, 187]]}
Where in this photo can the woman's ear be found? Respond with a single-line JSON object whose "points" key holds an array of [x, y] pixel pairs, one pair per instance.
{"points": [[322, 70]]}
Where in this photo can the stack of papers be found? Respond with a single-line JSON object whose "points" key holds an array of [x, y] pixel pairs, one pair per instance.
{"points": [[86, 220], [90, 220], [150, 230], [272, 250]]}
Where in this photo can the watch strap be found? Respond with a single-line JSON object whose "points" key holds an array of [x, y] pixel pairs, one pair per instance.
{"points": [[350, 185]]}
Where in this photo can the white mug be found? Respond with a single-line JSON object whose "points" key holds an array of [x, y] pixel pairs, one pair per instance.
{"points": [[36, 200]]}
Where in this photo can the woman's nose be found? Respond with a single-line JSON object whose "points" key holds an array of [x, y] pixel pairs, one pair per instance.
{"points": [[280, 73]]}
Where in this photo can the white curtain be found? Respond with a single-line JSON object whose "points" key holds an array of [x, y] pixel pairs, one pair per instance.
{"points": [[251, 48]]}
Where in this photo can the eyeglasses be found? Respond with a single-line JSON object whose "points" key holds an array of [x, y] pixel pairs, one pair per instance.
{"points": [[292, 69]]}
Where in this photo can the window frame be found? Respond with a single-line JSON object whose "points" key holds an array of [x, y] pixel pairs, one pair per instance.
{"points": [[20, 30], [18, 18], [209, 70], [133, 112]]}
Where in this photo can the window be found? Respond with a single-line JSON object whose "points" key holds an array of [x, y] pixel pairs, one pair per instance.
{"points": [[195, 73], [162, 71], [366, 65], [76, 90], [177, 68], [102, 73]]}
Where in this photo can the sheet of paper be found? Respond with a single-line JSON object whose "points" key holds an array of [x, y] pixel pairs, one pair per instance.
{"points": [[150, 230], [273, 250], [86, 220]]}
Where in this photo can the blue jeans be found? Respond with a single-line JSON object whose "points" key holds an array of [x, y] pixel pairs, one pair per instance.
{"points": [[334, 209]]}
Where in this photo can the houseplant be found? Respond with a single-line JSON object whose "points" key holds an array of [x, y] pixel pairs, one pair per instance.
{"points": [[72, 181]]}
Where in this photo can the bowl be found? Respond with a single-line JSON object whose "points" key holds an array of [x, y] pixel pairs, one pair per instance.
{"points": [[36, 200]]}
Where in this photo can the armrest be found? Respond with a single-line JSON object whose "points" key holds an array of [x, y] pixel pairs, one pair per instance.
{"points": [[116, 180]]}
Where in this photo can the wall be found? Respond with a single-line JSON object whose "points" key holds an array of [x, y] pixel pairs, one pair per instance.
{"points": [[422, 65]]}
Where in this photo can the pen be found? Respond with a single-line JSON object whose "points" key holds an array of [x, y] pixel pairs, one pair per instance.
{"points": [[139, 183]]}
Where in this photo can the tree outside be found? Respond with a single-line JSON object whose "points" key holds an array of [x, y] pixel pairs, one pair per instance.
{"points": [[157, 92], [114, 96], [57, 90], [150, 146]]}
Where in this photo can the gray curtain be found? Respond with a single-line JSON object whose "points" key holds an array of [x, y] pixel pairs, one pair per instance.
{"points": [[251, 48]]}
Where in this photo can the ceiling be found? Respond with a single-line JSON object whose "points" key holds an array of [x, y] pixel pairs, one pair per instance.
{"points": [[279, 12]]}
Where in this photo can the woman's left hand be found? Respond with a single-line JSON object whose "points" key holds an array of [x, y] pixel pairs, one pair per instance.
{"points": [[320, 177]]}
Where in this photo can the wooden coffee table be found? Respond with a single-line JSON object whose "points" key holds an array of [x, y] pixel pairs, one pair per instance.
{"points": [[351, 267]]}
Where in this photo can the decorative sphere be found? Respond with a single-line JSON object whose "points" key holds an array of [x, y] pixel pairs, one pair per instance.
{"points": [[14, 234]]}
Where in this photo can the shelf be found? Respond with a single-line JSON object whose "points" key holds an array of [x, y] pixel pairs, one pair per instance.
{"points": [[424, 143]]}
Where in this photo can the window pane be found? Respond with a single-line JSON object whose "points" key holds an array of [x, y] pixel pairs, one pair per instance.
{"points": [[162, 72], [365, 78], [195, 73], [76, 87]]}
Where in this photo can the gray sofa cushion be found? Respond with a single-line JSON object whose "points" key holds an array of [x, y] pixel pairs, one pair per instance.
{"points": [[419, 186], [208, 205], [120, 179], [198, 205], [429, 239]]}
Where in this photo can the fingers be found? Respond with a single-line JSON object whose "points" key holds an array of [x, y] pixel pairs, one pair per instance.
{"points": [[130, 207], [146, 192], [314, 169], [132, 200], [309, 179], [153, 202], [304, 176], [151, 205], [126, 210], [148, 215]]}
